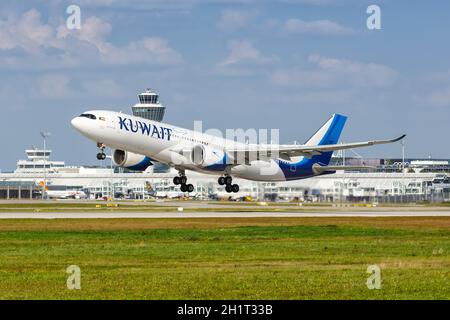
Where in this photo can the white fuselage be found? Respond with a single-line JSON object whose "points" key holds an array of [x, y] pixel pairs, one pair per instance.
{"points": [[139, 142], [169, 144], [64, 194]]}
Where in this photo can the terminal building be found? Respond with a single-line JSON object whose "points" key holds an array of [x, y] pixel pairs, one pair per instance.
{"points": [[413, 184], [37, 160], [394, 180]]}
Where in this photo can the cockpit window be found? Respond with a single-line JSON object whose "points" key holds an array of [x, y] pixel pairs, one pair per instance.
{"points": [[89, 116]]}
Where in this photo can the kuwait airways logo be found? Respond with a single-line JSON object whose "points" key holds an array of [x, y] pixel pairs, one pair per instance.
{"points": [[157, 132]]}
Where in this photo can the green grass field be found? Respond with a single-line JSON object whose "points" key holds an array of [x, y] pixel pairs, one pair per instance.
{"points": [[267, 258]]}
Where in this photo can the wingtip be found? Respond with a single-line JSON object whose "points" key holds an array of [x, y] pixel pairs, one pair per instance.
{"points": [[399, 138]]}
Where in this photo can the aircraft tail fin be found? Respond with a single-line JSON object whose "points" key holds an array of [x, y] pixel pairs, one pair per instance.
{"points": [[329, 133]]}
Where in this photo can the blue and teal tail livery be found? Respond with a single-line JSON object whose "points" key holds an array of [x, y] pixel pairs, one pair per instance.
{"points": [[328, 134]]}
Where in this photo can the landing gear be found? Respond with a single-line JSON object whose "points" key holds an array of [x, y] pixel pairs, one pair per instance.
{"points": [[228, 182], [187, 188], [101, 155], [232, 188], [182, 180]]}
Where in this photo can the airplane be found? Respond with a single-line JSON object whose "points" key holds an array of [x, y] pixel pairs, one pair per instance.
{"points": [[169, 194], [65, 194], [226, 195], [137, 143], [172, 194]]}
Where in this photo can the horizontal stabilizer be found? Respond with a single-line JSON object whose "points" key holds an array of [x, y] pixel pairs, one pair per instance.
{"points": [[320, 169]]}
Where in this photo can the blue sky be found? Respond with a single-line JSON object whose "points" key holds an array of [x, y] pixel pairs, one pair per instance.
{"points": [[284, 64]]}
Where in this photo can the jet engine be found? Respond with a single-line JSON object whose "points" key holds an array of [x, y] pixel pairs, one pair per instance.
{"points": [[203, 156], [131, 161]]}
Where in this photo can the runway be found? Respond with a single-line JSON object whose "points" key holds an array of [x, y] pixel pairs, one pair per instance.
{"points": [[161, 215]]}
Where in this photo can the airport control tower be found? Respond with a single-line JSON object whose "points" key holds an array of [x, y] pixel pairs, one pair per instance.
{"points": [[149, 106]]}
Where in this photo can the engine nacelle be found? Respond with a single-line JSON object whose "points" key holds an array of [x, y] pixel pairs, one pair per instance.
{"points": [[208, 157], [131, 161]]}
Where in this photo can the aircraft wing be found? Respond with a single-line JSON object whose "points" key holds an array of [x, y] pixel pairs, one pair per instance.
{"points": [[287, 151]]}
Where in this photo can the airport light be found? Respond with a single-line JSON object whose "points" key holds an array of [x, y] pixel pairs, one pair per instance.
{"points": [[111, 182], [402, 142], [45, 135], [403, 154]]}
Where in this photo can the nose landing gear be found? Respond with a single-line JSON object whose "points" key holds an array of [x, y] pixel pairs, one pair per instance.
{"points": [[101, 155]]}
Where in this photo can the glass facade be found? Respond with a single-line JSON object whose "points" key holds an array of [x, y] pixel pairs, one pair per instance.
{"points": [[39, 154], [149, 106], [148, 98]]}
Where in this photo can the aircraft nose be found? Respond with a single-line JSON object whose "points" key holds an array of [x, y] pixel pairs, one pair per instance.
{"points": [[76, 123]]}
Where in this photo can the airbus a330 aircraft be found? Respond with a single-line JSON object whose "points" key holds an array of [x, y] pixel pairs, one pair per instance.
{"points": [[138, 142]]}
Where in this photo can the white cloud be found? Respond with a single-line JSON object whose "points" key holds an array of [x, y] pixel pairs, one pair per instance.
{"points": [[187, 3], [133, 4], [317, 27], [50, 46], [359, 73], [93, 30], [332, 72], [232, 20], [146, 51], [27, 32], [243, 51]]}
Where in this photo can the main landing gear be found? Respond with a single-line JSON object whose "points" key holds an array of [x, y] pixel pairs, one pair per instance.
{"points": [[228, 182], [101, 155], [182, 180]]}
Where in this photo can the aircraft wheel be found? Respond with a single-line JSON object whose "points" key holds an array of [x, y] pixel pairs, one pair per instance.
{"points": [[221, 181], [190, 188], [228, 180], [235, 188], [229, 188], [183, 188], [101, 156], [176, 181], [183, 179]]}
